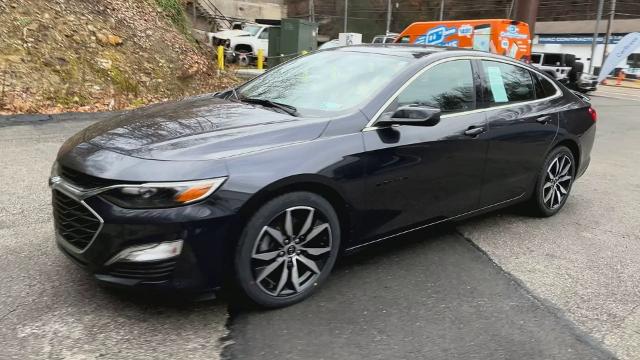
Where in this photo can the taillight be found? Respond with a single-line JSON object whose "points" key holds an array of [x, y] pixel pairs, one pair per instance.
{"points": [[593, 113]]}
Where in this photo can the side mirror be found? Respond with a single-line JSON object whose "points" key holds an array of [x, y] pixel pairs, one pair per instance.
{"points": [[411, 115]]}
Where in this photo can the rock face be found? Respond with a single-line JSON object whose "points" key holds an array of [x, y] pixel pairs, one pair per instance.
{"points": [[108, 39], [62, 55]]}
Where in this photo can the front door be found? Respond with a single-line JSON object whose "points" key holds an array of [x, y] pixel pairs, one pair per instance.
{"points": [[421, 174]]}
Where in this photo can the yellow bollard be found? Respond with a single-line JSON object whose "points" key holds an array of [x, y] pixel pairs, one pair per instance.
{"points": [[220, 58], [260, 59]]}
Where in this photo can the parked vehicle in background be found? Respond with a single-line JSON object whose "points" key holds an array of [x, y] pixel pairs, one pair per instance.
{"points": [[499, 36], [633, 73], [242, 44], [270, 182], [330, 44], [586, 83], [565, 69], [384, 39], [555, 64]]}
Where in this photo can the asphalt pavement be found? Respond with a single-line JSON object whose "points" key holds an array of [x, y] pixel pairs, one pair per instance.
{"points": [[49, 308], [567, 287], [431, 295], [585, 261]]}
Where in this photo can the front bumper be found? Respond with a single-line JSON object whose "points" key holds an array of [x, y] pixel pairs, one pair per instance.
{"points": [[204, 228], [590, 85]]}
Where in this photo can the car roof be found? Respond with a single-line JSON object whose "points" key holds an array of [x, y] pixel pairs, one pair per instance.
{"points": [[415, 51]]}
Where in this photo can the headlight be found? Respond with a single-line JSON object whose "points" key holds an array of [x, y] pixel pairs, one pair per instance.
{"points": [[162, 195]]}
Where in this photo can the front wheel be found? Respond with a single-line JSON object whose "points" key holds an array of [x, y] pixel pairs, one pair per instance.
{"points": [[554, 182], [287, 249]]}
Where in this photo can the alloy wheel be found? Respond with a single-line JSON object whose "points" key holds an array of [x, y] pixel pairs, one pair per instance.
{"points": [[557, 181], [291, 251]]}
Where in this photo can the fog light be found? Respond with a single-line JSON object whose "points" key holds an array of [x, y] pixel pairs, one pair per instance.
{"points": [[149, 252]]}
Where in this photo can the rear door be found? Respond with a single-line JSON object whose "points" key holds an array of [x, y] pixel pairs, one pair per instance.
{"points": [[422, 174], [523, 121]]}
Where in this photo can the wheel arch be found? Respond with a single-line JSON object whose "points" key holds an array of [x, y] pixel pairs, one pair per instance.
{"points": [[243, 47], [316, 184], [575, 150]]}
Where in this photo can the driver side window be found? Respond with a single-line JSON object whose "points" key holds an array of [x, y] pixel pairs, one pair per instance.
{"points": [[264, 35], [447, 86]]}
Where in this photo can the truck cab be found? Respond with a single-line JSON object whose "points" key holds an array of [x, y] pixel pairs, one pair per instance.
{"points": [[242, 43]]}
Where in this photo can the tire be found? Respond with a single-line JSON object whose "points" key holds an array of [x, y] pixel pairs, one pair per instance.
{"points": [[576, 72], [554, 182], [277, 265]]}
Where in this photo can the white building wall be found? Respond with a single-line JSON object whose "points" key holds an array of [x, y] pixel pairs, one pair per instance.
{"points": [[252, 9]]}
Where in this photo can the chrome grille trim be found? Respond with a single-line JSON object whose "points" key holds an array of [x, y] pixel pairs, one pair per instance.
{"points": [[59, 238]]}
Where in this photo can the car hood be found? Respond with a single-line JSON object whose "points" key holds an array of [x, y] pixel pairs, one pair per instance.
{"points": [[197, 128]]}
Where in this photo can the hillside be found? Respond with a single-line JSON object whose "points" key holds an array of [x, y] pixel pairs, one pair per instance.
{"points": [[89, 55]]}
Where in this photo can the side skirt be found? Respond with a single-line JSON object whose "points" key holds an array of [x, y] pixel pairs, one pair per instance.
{"points": [[457, 217]]}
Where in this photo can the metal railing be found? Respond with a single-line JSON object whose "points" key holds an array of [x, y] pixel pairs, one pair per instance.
{"points": [[212, 11]]}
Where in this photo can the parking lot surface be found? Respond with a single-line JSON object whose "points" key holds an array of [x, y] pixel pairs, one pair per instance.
{"points": [[570, 283], [585, 261]]}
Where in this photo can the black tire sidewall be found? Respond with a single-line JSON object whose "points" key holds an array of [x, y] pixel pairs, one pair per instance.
{"points": [[539, 194], [264, 215]]}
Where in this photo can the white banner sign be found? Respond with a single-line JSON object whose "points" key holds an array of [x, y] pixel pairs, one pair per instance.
{"points": [[625, 46]]}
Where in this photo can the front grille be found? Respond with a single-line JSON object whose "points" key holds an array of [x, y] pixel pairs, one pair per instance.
{"points": [[74, 221], [150, 271], [83, 180]]}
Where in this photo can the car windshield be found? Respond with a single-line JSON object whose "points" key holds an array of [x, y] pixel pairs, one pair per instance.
{"points": [[252, 29], [325, 82]]}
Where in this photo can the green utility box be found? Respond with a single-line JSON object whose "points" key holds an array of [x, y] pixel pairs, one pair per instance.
{"points": [[290, 39]]}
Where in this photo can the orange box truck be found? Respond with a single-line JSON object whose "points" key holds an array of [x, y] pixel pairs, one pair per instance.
{"points": [[499, 36]]}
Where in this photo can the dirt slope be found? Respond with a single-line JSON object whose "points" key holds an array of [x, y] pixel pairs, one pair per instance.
{"points": [[87, 55]]}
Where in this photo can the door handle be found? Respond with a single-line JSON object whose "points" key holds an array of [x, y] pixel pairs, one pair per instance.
{"points": [[544, 119], [474, 131]]}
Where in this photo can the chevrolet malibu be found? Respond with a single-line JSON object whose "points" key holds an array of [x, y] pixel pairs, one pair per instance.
{"points": [[263, 186]]}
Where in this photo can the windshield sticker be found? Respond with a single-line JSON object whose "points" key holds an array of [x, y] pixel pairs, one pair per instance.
{"points": [[497, 85]]}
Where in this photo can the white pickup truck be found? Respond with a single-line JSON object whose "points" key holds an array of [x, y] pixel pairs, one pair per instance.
{"points": [[240, 44]]}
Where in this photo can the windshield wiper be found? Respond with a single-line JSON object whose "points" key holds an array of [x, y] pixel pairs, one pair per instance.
{"points": [[291, 110], [235, 93]]}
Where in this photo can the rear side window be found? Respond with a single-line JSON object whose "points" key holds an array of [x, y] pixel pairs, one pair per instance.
{"points": [[447, 86], [535, 58], [552, 60], [507, 83], [405, 39], [546, 87]]}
